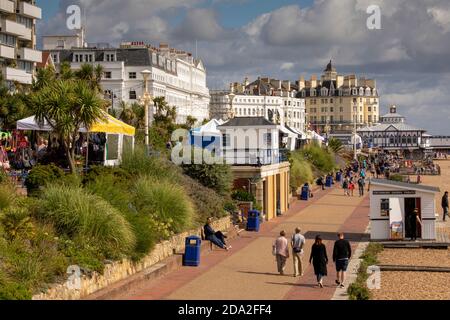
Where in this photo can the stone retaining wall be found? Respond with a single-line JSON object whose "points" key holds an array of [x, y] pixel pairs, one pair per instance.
{"points": [[120, 270]]}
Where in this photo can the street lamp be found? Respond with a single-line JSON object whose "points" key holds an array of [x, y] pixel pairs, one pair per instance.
{"points": [[355, 109], [231, 113], [146, 101], [327, 129]]}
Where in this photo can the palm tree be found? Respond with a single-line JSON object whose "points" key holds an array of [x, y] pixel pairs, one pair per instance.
{"points": [[65, 71], [93, 75], [44, 77], [335, 145], [68, 105]]}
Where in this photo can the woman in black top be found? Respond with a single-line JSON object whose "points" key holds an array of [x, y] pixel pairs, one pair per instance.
{"points": [[319, 260]]}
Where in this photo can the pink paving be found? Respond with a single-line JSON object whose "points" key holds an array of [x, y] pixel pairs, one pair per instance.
{"points": [[301, 289]]}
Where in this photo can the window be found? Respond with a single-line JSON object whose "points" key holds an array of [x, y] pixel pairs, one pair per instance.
{"points": [[108, 75], [226, 140], [25, 65], [331, 109], [132, 75], [55, 57], [110, 57], [370, 118], [369, 109], [60, 44], [27, 22], [384, 208], [341, 109], [8, 40], [133, 95]]}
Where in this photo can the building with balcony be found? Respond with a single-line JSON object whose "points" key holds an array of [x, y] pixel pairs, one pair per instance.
{"points": [[394, 134], [253, 148], [335, 103], [18, 54], [270, 98], [176, 75]]}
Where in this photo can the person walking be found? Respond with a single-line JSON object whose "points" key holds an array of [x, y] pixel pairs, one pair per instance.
{"points": [[298, 242], [342, 253], [351, 187], [444, 204], [319, 259], [345, 186], [361, 185], [281, 251]]}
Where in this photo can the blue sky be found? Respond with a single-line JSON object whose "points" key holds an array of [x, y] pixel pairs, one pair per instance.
{"points": [[287, 39], [232, 14]]}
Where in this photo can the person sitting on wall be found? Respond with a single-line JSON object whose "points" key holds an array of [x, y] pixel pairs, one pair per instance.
{"points": [[218, 238]]}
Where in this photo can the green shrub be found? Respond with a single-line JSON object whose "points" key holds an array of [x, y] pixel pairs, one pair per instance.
{"points": [[207, 203], [116, 190], [165, 202], [397, 177], [139, 163], [215, 176], [359, 290], [42, 175], [16, 222], [13, 290], [97, 172], [301, 171], [78, 214], [319, 157], [242, 195], [7, 195]]}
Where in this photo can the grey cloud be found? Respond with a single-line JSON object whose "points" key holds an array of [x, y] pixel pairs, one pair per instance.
{"points": [[408, 57]]}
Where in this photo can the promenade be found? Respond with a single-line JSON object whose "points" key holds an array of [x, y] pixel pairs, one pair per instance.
{"points": [[248, 271]]}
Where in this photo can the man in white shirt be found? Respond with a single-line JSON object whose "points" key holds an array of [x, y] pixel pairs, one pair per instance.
{"points": [[298, 243]]}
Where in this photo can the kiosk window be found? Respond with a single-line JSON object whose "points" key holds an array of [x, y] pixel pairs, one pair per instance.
{"points": [[385, 207], [113, 147]]}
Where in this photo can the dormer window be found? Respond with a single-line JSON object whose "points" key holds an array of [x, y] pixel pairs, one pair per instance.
{"points": [[110, 57], [354, 91]]}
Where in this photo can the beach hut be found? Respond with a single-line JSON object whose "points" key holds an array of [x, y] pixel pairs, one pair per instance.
{"points": [[391, 205]]}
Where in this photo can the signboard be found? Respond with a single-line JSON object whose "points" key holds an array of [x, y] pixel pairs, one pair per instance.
{"points": [[384, 193], [396, 222]]}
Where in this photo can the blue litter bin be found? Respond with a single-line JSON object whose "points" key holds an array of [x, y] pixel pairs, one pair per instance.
{"points": [[305, 193], [339, 176], [253, 221], [329, 182], [192, 251]]}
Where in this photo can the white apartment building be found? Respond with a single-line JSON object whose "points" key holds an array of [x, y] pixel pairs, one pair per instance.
{"points": [[176, 75], [18, 54], [273, 99]]}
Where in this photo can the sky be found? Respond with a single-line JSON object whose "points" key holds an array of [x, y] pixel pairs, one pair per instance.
{"points": [[409, 56]]}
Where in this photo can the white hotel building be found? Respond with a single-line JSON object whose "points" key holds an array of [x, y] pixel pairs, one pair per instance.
{"points": [[18, 54], [273, 99], [176, 75]]}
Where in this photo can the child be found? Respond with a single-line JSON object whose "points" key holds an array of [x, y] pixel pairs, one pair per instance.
{"points": [[352, 188]]}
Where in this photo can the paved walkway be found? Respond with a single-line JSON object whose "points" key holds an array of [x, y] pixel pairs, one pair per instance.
{"points": [[248, 271]]}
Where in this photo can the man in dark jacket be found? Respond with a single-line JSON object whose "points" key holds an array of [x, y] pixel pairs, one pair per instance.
{"points": [[342, 253], [445, 204]]}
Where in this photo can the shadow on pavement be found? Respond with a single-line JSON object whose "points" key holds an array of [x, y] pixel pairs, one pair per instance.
{"points": [[332, 236]]}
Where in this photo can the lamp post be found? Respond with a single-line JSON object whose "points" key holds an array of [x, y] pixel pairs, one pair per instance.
{"points": [[231, 113], [355, 109], [146, 101], [327, 130]]}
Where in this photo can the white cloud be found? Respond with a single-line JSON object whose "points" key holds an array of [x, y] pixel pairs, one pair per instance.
{"points": [[287, 66]]}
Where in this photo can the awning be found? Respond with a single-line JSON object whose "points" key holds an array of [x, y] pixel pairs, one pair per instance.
{"points": [[286, 131], [111, 125], [209, 129]]}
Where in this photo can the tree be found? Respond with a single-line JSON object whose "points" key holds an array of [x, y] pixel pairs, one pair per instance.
{"points": [[13, 107], [190, 122], [68, 105], [93, 75], [44, 77], [335, 145], [65, 71]]}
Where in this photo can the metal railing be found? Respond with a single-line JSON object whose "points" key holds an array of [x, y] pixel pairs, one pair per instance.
{"points": [[255, 157]]}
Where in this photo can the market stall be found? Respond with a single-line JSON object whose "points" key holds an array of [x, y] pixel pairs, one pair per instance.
{"points": [[107, 139]]}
